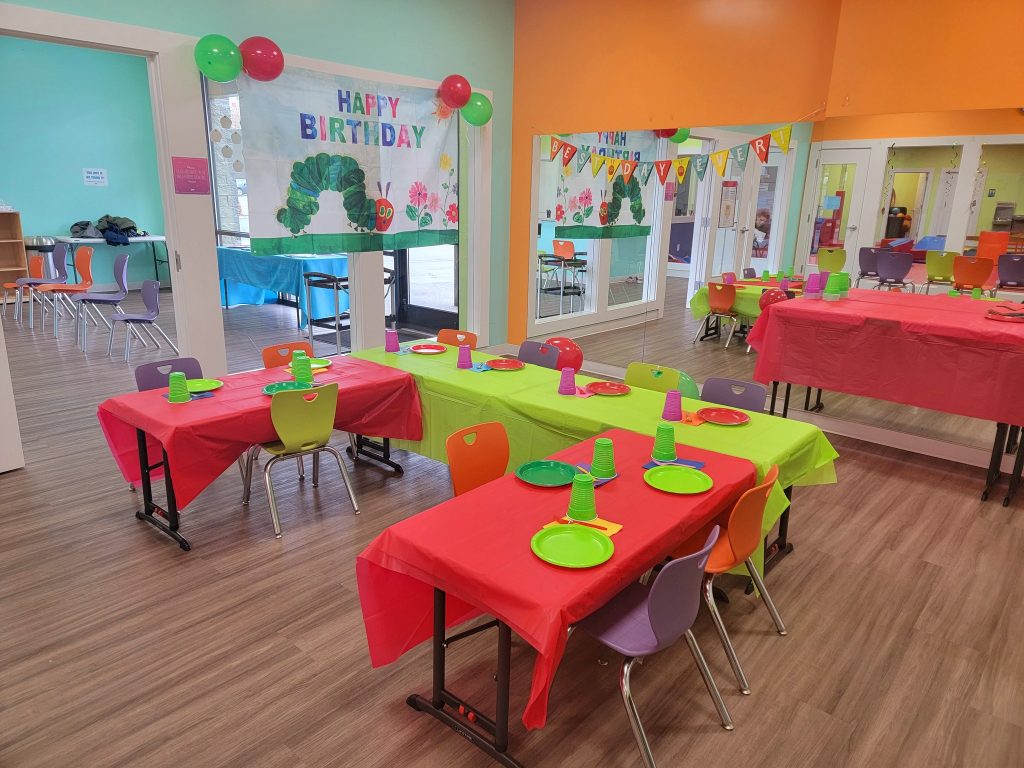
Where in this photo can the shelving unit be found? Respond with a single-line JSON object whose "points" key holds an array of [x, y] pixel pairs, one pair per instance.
{"points": [[13, 263]]}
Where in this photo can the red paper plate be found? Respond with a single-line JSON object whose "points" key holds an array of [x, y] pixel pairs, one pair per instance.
{"points": [[1003, 318], [606, 388], [505, 364], [727, 417], [428, 349]]}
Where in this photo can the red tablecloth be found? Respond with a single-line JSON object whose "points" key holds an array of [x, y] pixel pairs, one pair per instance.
{"points": [[202, 438], [936, 352], [476, 547]]}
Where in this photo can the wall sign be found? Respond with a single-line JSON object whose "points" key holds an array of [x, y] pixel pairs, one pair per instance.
{"points": [[191, 175], [94, 177]]}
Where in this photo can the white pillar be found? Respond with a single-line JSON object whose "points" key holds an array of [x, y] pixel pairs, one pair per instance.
{"points": [[963, 195], [366, 299]]}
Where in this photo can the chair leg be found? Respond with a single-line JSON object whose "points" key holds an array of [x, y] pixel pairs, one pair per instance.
{"points": [[166, 338], [5, 303], [128, 343], [269, 483], [110, 342], [145, 327], [316, 469], [769, 603], [709, 600], [634, 716], [301, 467], [700, 328], [709, 681], [250, 458], [354, 445], [732, 330], [345, 477]]}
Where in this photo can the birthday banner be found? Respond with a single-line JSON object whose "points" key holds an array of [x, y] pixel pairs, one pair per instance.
{"points": [[336, 164]]}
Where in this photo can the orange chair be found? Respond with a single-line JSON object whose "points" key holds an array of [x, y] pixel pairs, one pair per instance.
{"points": [[477, 455], [454, 338], [60, 291], [278, 355], [736, 543], [35, 271], [992, 245], [970, 273], [721, 297]]}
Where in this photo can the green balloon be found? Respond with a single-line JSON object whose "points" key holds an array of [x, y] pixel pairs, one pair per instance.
{"points": [[218, 58], [478, 109], [680, 136]]}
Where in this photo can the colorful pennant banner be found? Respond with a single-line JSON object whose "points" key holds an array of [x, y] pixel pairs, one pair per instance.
{"points": [[719, 159], [556, 147], [781, 136], [611, 165], [596, 161], [628, 169], [681, 165], [663, 167], [760, 145], [739, 155], [644, 171], [700, 165], [568, 150]]}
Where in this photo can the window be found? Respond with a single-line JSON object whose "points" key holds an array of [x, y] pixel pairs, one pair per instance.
{"points": [[227, 161]]}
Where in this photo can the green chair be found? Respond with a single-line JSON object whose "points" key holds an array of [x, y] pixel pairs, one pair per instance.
{"points": [[304, 421], [661, 378], [939, 266], [831, 260]]}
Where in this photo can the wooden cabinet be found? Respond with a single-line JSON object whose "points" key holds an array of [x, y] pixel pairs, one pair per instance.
{"points": [[12, 248]]}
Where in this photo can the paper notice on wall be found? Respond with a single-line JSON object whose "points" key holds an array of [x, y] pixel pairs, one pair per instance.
{"points": [[94, 177], [191, 175], [727, 208]]}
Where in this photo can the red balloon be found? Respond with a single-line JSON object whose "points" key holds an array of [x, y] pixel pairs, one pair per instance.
{"points": [[455, 91], [569, 353], [661, 133], [262, 59]]}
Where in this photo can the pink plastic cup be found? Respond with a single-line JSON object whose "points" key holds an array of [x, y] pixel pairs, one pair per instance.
{"points": [[391, 340], [465, 358], [567, 384], [673, 410]]}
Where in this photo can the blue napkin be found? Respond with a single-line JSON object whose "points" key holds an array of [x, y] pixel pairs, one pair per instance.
{"points": [[479, 368], [195, 395], [684, 462], [402, 351], [598, 481]]}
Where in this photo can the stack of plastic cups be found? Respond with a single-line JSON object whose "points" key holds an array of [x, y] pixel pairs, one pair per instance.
{"points": [[177, 389], [812, 287], [465, 358], [766, 275], [302, 371], [603, 465], [567, 384], [823, 277], [664, 444], [391, 340], [844, 284], [582, 504], [673, 410], [833, 291], [975, 293]]}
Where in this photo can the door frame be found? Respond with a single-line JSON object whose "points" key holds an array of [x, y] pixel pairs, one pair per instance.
{"points": [[890, 183]]}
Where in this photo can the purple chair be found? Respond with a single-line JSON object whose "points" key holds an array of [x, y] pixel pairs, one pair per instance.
{"points": [[749, 273], [734, 393], [147, 320], [1011, 271], [57, 268], [535, 353], [156, 375], [83, 301], [868, 260], [642, 620], [893, 268]]}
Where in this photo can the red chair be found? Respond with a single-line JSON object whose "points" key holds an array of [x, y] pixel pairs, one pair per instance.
{"points": [[970, 273], [721, 298], [477, 455], [992, 245]]}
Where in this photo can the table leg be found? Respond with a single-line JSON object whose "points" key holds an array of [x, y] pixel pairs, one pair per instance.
{"points": [[151, 511], [489, 736], [1013, 439], [998, 446], [778, 549], [785, 402], [1018, 465], [775, 391], [379, 452]]}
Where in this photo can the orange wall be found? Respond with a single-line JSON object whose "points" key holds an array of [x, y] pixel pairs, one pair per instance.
{"points": [[927, 55], [587, 65], [979, 122]]}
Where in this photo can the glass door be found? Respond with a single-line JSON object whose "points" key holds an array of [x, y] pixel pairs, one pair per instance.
{"points": [[426, 289], [769, 199], [839, 193]]}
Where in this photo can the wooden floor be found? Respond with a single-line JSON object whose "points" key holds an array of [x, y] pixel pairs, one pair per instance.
{"points": [[903, 599], [668, 341]]}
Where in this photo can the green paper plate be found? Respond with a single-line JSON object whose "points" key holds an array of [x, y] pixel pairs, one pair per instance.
{"points": [[284, 386], [546, 473], [203, 385], [675, 478], [572, 546]]}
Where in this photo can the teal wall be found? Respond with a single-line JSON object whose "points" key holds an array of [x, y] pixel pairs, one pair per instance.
{"points": [[411, 37], [70, 108]]}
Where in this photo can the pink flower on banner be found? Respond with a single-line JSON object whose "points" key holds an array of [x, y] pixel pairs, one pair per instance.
{"points": [[559, 212], [418, 193], [453, 213], [433, 202], [574, 203], [586, 198]]}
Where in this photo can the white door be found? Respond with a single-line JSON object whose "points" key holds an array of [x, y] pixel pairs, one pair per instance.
{"points": [[840, 179]]}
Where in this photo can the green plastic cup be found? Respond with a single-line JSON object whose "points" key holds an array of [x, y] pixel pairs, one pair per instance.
{"points": [[177, 389], [302, 369], [975, 293], [582, 504], [766, 275], [603, 464], [664, 443]]}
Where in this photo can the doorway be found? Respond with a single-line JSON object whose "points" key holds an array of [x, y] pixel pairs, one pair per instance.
{"points": [[426, 289], [840, 176]]}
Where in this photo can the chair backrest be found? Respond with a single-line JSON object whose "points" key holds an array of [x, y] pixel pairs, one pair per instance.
{"points": [[674, 599], [36, 266], [867, 259], [749, 273], [277, 355], [734, 393], [151, 297], [660, 378], [83, 265], [304, 418], [728, 278], [59, 263], [121, 275], [477, 455], [939, 264], [746, 520], [992, 245], [156, 375], [1011, 270], [971, 272], [831, 259], [721, 297], [894, 266], [536, 353], [772, 296], [564, 249], [454, 338]]}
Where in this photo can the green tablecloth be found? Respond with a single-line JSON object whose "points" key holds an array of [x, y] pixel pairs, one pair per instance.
{"points": [[540, 422], [746, 302]]}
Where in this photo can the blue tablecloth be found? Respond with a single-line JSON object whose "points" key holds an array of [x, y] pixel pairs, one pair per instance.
{"points": [[257, 279]]}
